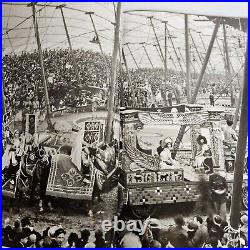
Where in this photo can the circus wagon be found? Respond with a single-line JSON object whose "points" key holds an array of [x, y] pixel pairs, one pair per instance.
{"points": [[148, 182]]}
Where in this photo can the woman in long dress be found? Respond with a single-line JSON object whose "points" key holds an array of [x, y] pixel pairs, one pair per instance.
{"points": [[166, 160], [203, 152], [13, 152]]}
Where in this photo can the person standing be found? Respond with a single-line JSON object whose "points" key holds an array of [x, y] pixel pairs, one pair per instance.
{"points": [[211, 98], [218, 187], [230, 134], [170, 99], [201, 234], [177, 235]]}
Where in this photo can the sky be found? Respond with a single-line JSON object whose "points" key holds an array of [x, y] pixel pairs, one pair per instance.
{"points": [[136, 29]]}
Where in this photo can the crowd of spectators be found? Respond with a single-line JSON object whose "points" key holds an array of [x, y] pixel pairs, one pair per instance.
{"points": [[198, 232], [150, 82], [23, 87], [22, 79], [23, 234]]}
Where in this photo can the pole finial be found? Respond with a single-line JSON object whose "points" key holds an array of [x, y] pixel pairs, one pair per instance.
{"points": [[60, 6]]}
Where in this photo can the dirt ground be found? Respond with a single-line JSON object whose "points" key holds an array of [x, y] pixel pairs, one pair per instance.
{"points": [[73, 219]]}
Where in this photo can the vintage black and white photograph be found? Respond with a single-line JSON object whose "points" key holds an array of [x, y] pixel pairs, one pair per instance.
{"points": [[124, 125]]}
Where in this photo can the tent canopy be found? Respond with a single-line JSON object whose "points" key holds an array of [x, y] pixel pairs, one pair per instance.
{"points": [[222, 9]]}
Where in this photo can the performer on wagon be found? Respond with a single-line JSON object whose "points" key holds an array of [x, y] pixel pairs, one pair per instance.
{"points": [[166, 160]]}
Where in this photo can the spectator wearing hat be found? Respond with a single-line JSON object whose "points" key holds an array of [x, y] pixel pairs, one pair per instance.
{"points": [[200, 235], [32, 241], [191, 229], [215, 226], [27, 226], [59, 237], [21, 239], [99, 239], [84, 238], [73, 240]]}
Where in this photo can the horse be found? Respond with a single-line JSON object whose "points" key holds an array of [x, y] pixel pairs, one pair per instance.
{"points": [[40, 178], [107, 171]]}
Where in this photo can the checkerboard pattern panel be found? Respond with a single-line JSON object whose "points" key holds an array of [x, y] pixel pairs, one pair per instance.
{"points": [[160, 195]]}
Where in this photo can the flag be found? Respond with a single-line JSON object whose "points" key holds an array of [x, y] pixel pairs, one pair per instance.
{"points": [[76, 152]]}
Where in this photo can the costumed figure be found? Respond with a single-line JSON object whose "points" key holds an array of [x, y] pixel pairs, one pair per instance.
{"points": [[166, 160], [203, 158], [40, 178], [218, 187], [13, 154]]}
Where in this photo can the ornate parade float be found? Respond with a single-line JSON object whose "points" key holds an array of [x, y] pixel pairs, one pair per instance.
{"points": [[151, 182]]}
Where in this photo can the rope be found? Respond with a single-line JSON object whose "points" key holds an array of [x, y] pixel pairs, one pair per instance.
{"points": [[46, 31], [228, 84], [27, 42], [27, 18], [233, 236]]}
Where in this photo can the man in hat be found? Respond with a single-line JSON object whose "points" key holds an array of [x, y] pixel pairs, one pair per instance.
{"points": [[200, 235], [192, 227], [57, 235]]}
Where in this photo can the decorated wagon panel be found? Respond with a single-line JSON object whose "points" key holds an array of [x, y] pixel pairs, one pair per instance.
{"points": [[167, 194]]}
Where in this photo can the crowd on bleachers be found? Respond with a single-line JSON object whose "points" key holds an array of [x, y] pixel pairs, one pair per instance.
{"points": [[23, 87], [22, 79]]}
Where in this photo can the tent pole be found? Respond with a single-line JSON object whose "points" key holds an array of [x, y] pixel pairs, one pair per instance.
{"points": [[44, 79], [203, 44], [240, 153], [237, 110], [132, 55], [155, 45], [198, 53], [69, 42], [204, 65], [156, 37], [96, 34], [188, 74], [143, 45], [165, 63], [197, 87], [228, 64], [110, 116], [129, 77]]}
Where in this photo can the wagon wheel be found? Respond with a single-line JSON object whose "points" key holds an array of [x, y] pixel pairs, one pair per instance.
{"points": [[245, 197], [143, 212]]}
